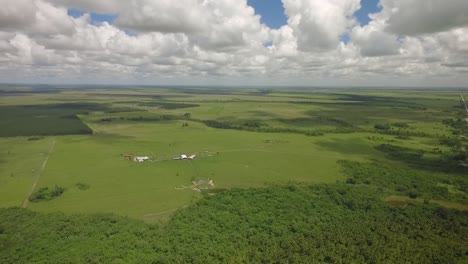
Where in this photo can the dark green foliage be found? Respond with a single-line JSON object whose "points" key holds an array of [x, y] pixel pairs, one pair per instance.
{"points": [[155, 118], [56, 238], [456, 124], [291, 224], [415, 158], [257, 126], [316, 120], [406, 181], [400, 152], [168, 105], [83, 186], [450, 141], [382, 127], [123, 110], [35, 138], [49, 119], [45, 194], [43, 120], [401, 125]]}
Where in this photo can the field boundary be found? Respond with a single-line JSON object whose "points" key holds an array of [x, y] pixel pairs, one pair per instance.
{"points": [[38, 176]]}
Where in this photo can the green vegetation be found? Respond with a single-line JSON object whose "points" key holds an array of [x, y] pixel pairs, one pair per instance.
{"points": [[167, 105], [407, 181], [45, 194], [40, 120], [290, 224], [83, 186], [301, 176]]}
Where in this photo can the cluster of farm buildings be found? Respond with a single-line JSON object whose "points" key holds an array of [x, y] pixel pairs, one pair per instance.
{"points": [[145, 158]]}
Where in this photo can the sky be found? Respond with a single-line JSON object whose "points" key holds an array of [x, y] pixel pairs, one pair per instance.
{"points": [[235, 42]]}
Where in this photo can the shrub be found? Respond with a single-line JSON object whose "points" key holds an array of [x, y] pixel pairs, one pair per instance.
{"points": [[83, 186], [382, 127], [46, 194]]}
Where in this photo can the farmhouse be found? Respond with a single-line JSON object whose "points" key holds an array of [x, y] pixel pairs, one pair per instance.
{"points": [[141, 159], [128, 156], [185, 157]]}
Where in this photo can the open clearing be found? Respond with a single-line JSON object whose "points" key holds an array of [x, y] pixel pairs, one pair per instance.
{"points": [[241, 140]]}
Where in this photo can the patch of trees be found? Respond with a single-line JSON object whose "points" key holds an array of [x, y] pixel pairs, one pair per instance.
{"points": [[317, 120], [401, 153], [168, 105], [35, 138], [279, 224], [257, 126], [400, 125], [446, 162], [123, 110], [42, 120], [459, 141], [46, 194], [141, 118], [399, 129], [382, 126], [406, 181], [458, 125]]}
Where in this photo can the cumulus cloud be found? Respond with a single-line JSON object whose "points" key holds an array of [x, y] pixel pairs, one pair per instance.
{"points": [[208, 23], [98, 6], [34, 17], [219, 41], [374, 41], [415, 17], [319, 24]]}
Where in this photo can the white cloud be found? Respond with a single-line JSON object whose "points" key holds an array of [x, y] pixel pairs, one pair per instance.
{"points": [[416, 17], [34, 17], [318, 24], [374, 41], [217, 41]]}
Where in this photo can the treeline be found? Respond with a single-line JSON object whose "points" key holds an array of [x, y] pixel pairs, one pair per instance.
{"points": [[168, 105], [49, 119], [399, 129], [446, 162], [458, 142], [257, 126], [141, 118], [407, 181], [280, 224]]}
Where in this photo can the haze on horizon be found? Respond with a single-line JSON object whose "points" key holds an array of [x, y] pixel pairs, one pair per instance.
{"points": [[235, 42]]}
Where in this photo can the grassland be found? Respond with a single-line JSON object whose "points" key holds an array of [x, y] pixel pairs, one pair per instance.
{"points": [[402, 147], [275, 137]]}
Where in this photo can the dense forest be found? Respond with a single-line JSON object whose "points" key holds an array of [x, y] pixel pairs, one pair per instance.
{"points": [[335, 223]]}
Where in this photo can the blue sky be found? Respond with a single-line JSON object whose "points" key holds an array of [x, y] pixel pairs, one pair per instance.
{"points": [[271, 12], [273, 16], [95, 18]]}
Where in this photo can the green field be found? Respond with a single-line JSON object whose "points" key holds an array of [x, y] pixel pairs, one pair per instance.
{"points": [[401, 143]]}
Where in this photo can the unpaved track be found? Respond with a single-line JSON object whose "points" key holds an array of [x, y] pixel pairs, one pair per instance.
{"points": [[93, 128], [38, 176]]}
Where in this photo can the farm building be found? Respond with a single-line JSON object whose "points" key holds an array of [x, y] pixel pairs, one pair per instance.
{"points": [[185, 157], [203, 184], [141, 159]]}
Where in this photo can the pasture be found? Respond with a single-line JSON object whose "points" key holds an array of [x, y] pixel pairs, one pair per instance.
{"points": [[265, 138]]}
